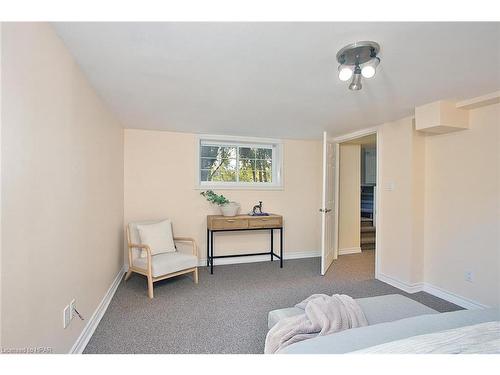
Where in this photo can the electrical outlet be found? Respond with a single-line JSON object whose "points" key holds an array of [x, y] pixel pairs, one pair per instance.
{"points": [[72, 306], [469, 276], [66, 316]]}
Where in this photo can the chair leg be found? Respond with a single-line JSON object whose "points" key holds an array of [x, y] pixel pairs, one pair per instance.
{"points": [[150, 287], [195, 275], [129, 273]]}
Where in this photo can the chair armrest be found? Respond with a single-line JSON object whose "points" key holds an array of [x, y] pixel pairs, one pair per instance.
{"points": [[140, 246], [188, 239]]}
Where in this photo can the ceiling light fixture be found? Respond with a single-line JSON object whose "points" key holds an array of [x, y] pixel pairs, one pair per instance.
{"points": [[356, 60]]}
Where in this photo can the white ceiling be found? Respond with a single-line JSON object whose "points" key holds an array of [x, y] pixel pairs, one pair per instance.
{"points": [[277, 79]]}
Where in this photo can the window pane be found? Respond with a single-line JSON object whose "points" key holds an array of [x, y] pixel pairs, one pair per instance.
{"points": [[207, 163], [263, 176], [219, 152], [255, 153], [221, 171], [227, 175], [255, 171], [224, 171], [247, 153], [264, 153], [209, 151], [214, 164], [247, 167], [218, 163], [263, 165], [204, 175]]}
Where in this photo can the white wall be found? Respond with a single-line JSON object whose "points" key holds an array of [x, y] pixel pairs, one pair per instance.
{"points": [[160, 182], [62, 191], [462, 208], [349, 198]]}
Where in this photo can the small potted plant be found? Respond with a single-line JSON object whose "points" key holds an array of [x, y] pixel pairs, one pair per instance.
{"points": [[227, 208]]}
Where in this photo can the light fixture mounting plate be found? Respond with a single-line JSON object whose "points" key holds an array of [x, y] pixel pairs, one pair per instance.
{"points": [[358, 53]]}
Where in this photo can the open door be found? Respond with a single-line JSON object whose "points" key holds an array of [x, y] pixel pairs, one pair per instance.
{"points": [[329, 229]]}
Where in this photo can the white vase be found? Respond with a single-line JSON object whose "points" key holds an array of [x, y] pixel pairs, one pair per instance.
{"points": [[230, 209]]}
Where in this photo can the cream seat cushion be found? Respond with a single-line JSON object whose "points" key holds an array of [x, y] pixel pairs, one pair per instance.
{"points": [[158, 236], [165, 263]]}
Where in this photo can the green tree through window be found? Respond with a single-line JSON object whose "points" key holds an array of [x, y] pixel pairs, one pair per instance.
{"points": [[236, 164]]}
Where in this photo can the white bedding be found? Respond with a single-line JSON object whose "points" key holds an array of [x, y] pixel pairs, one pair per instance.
{"points": [[323, 315], [483, 338]]}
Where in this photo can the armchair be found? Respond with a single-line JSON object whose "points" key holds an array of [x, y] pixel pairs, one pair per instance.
{"points": [[162, 266]]}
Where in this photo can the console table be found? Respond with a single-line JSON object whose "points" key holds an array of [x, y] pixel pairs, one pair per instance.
{"points": [[219, 223]]}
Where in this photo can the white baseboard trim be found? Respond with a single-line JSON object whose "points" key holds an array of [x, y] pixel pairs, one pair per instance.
{"points": [[461, 301], [466, 303], [93, 322], [350, 250], [261, 258], [403, 285]]}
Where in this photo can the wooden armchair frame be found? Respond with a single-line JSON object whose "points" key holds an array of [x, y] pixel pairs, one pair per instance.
{"points": [[148, 272]]}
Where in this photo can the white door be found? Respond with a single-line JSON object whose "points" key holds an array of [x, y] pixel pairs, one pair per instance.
{"points": [[329, 204]]}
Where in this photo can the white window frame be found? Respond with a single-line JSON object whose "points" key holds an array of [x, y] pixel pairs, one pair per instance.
{"points": [[277, 162]]}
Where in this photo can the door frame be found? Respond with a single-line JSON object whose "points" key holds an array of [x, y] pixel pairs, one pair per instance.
{"points": [[378, 198]]}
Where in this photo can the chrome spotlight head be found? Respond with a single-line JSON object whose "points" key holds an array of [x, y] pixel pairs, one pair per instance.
{"points": [[345, 73], [356, 80]]}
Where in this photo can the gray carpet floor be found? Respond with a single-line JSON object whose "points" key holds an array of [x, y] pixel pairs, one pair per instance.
{"points": [[227, 311]]}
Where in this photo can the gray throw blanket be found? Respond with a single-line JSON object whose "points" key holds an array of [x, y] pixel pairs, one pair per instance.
{"points": [[323, 315]]}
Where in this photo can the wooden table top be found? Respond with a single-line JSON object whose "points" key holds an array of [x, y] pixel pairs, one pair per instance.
{"points": [[246, 216], [220, 222]]}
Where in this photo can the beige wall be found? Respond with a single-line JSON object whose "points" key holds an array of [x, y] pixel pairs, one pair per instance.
{"points": [[418, 178], [442, 218], [62, 196], [462, 217], [62, 190], [401, 168], [0, 185], [160, 182], [349, 197]]}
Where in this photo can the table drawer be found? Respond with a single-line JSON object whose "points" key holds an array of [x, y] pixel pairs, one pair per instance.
{"points": [[264, 222], [228, 223]]}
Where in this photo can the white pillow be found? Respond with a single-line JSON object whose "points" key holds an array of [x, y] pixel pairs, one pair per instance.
{"points": [[157, 236]]}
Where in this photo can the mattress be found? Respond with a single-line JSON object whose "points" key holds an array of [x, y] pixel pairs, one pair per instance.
{"points": [[379, 309]]}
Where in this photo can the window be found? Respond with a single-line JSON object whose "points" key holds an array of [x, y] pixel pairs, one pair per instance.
{"points": [[238, 162]]}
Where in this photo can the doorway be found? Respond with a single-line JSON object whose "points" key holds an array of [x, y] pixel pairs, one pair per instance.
{"points": [[357, 224], [351, 228]]}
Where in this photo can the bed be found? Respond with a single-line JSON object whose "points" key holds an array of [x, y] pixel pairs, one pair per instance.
{"points": [[390, 318]]}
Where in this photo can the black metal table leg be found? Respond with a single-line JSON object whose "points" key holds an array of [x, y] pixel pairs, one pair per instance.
{"points": [[281, 247], [208, 247], [211, 252], [272, 244]]}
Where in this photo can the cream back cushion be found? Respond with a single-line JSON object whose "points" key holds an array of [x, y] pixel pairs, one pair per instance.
{"points": [[157, 236]]}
